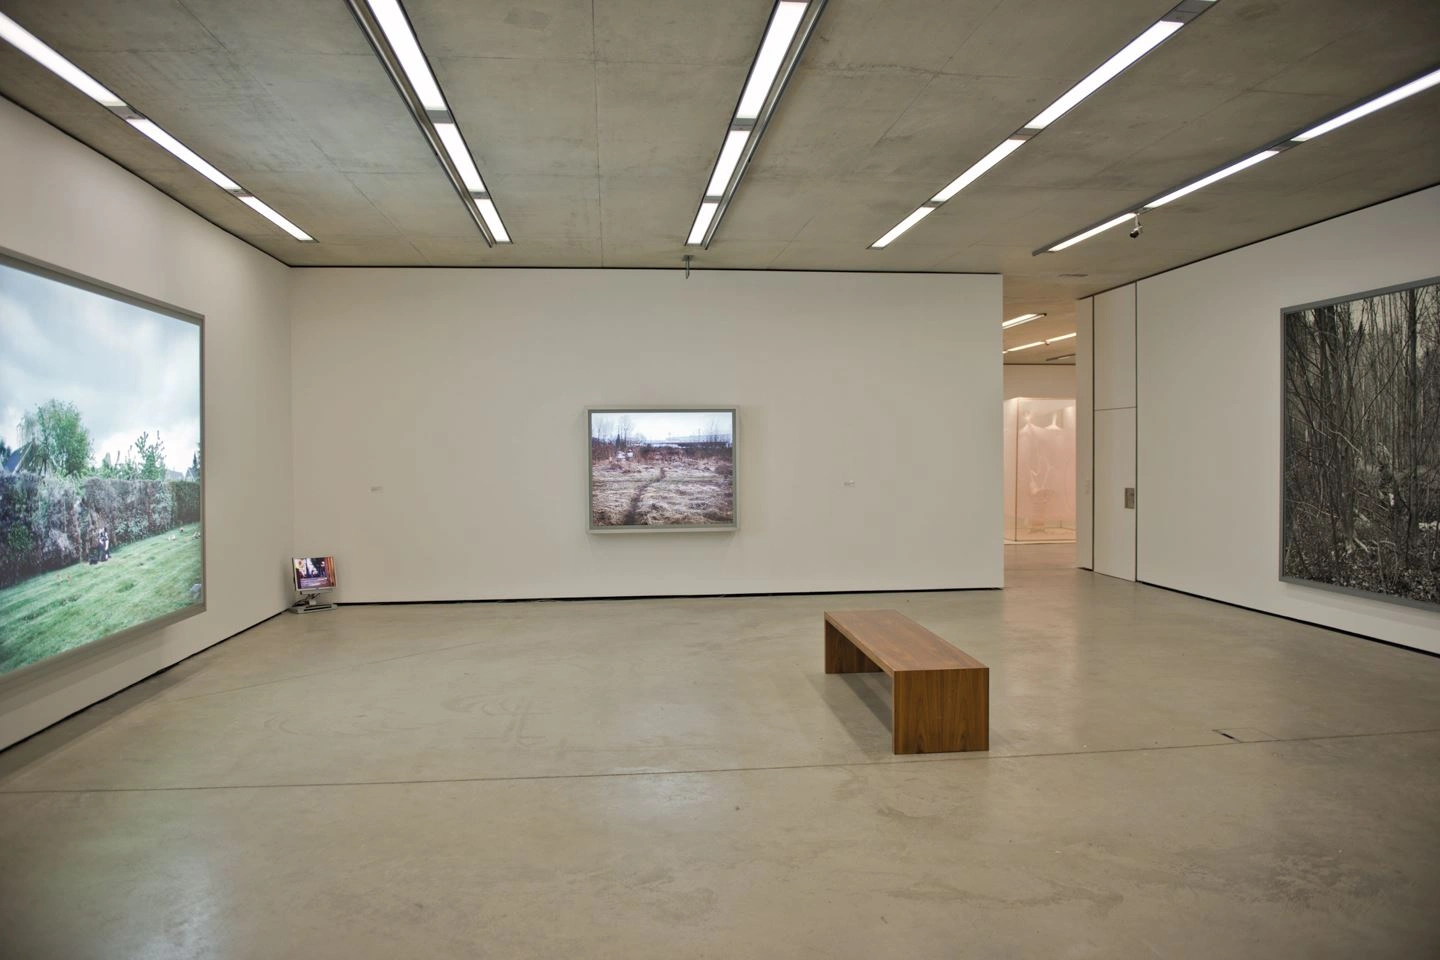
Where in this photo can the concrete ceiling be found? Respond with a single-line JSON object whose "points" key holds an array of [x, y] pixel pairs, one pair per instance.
{"points": [[596, 123]]}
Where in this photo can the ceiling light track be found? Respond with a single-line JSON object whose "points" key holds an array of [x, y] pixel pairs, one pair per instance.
{"points": [[387, 27], [27, 43], [786, 33], [1154, 35], [1365, 107]]}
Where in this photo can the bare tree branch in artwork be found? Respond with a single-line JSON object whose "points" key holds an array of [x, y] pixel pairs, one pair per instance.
{"points": [[1362, 444]]}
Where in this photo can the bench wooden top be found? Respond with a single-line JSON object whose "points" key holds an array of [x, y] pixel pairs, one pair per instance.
{"points": [[897, 643]]}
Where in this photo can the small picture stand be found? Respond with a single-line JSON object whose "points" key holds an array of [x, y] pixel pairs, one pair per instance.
{"points": [[310, 603]]}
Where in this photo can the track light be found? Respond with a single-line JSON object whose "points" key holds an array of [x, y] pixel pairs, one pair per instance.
{"points": [[35, 48], [1409, 88], [788, 30], [1150, 38], [387, 27]]}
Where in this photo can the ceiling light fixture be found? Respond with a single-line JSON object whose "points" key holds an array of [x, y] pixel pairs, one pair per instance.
{"points": [[1154, 35], [786, 34], [387, 27], [1409, 88], [1023, 318], [32, 46], [1424, 82], [1063, 356], [1041, 343]]}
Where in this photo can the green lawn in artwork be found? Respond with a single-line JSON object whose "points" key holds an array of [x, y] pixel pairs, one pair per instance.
{"points": [[54, 612]]}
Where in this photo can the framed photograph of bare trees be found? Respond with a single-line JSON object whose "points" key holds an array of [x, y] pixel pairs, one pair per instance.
{"points": [[662, 470], [1361, 474]]}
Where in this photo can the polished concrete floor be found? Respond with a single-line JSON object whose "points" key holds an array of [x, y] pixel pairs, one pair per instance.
{"points": [[1168, 778]]}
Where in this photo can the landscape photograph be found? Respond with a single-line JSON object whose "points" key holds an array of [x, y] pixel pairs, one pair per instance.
{"points": [[662, 470], [100, 466], [1361, 496]]}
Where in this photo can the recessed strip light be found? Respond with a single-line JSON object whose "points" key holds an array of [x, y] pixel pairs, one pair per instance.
{"points": [[1023, 318], [702, 222], [1041, 343], [31, 45], [1154, 35], [1415, 86], [389, 31], [396, 27], [783, 24], [899, 228], [460, 156], [184, 154], [1221, 174], [735, 142], [1063, 356], [1093, 231], [788, 30], [35, 48], [978, 170], [1354, 112], [266, 211]]}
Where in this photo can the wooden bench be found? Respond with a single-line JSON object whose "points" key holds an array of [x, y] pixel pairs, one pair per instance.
{"points": [[941, 694]]}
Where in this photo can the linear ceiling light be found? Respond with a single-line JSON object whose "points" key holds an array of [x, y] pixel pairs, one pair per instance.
{"points": [[1365, 107], [919, 214], [1154, 35], [1041, 343], [791, 23], [27, 43], [1023, 318], [1415, 86], [388, 29]]}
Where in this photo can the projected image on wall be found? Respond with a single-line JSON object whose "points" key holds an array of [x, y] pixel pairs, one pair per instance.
{"points": [[662, 470], [100, 466], [1361, 499]]}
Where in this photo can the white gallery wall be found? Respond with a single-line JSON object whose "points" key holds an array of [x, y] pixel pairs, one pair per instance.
{"points": [[64, 204], [1113, 356], [441, 446], [1085, 433], [1209, 409], [1036, 380]]}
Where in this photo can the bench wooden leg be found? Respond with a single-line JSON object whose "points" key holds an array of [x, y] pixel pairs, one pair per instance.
{"points": [[941, 711], [842, 656]]}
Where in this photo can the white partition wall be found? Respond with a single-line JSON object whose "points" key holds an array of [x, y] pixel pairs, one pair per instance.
{"points": [[447, 455], [1210, 409], [1084, 433], [64, 204], [1113, 357]]}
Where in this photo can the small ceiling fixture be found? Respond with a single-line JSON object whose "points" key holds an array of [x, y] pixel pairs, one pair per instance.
{"points": [[387, 27], [1395, 94], [790, 26], [1154, 35], [31, 45]]}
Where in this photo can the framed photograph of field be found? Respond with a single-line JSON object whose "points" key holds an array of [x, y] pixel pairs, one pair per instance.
{"points": [[101, 476], [1360, 498], [661, 470]]}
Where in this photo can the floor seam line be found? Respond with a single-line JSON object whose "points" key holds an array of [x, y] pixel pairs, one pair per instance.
{"points": [[962, 758]]}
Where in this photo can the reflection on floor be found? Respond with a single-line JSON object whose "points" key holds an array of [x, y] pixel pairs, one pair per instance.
{"points": [[677, 778]]}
